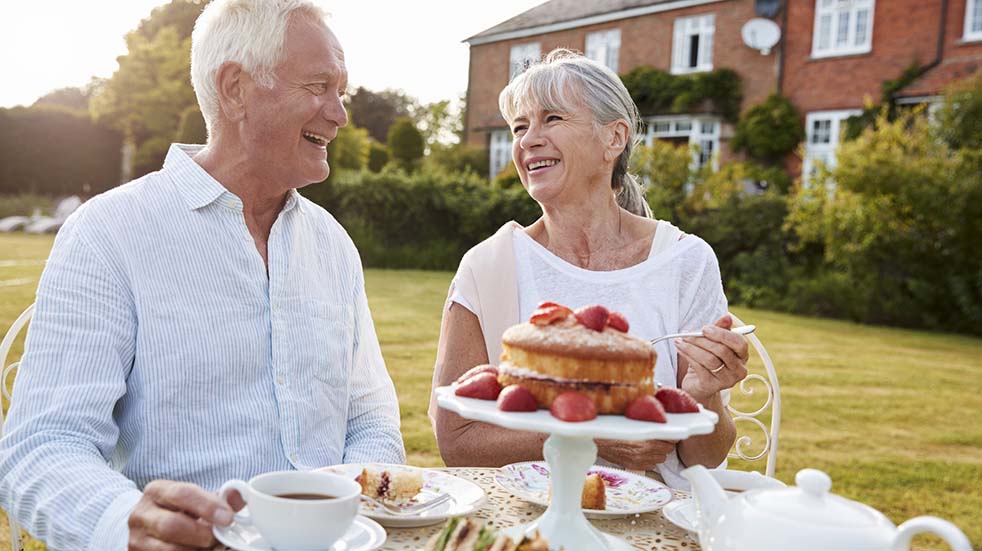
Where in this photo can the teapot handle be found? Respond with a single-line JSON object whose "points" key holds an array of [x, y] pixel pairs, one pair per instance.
{"points": [[948, 532]]}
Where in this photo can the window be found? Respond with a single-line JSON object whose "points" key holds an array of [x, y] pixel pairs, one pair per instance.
{"points": [[500, 154], [604, 47], [822, 138], [687, 131], [973, 20], [842, 27], [692, 49], [521, 56]]}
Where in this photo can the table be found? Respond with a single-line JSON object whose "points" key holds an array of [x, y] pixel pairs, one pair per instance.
{"points": [[647, 532]]}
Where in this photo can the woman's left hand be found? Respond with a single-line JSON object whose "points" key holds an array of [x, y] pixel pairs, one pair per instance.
{"points": [[717, 360]]}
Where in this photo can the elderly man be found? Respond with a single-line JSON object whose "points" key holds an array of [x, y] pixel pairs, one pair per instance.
{"points": [[203, 322]]}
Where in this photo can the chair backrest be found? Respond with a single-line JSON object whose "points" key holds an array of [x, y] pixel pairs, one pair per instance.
{"points": [[8, 342], [745, 447]]}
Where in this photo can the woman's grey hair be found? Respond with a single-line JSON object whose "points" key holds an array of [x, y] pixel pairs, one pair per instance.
{"points": [[248, 32], [555, 84]]}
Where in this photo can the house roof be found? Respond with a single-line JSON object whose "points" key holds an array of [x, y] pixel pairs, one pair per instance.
{"points": [[935, 80], [574, 13]]}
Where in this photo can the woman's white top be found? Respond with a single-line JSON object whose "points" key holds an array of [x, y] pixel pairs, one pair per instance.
{"points": [[677, 288]]}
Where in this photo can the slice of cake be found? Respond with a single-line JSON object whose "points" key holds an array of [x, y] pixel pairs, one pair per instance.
{"points": [[587, 351], [594, 493], [389, 485]]}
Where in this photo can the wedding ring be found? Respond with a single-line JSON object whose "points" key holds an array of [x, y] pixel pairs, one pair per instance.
{"points": [[718, 369]]}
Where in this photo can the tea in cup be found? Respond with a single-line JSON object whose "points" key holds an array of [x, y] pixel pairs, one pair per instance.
{"points": [[298, 510]]}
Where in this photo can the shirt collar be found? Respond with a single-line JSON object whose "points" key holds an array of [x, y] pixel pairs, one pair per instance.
{"points": [[200, 189]]}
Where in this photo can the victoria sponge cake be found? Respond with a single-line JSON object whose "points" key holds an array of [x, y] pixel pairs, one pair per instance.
{"points": [[587, 351]]}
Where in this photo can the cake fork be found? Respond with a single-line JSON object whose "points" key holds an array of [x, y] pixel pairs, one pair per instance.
{"points": [[742, 330], [413, 509]]}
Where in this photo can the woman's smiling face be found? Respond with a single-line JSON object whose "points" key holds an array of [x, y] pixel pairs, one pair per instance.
{"points": [[553, 148]]}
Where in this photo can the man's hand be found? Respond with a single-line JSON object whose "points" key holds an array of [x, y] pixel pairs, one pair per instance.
{"points": [[643, 455], [177, 516]]}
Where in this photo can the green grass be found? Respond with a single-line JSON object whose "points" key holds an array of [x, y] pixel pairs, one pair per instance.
{"points": [[890, 414]]}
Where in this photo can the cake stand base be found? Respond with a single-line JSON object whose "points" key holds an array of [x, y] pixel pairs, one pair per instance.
{"points": [[613, 543]]}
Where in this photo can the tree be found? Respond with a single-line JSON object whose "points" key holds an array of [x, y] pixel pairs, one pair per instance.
{"points": [[406, 143], [377, 111], [71, 97], [441, 123], [378, 156], [177, 14], [146, 97], [192, 128], [770, 130], [348, 150]]}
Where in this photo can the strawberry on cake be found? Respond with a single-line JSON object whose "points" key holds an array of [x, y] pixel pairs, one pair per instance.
{"points": [[588, 351]]}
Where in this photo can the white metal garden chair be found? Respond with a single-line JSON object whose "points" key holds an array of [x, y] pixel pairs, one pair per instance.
{"points": [[5, 346], [744, 448]]}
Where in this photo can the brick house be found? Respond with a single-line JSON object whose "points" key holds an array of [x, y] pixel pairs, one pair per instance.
{"points": [[833, 55]]}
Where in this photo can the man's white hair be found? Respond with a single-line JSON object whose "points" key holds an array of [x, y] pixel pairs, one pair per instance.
{"points": [[248, 32]]}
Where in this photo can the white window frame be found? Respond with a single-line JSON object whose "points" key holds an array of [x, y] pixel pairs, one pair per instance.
{"points": [[824, 152], [701, 131], [604, 47], [499, 151], [837, 43], [520, 55], [973, 25], [703, 26]]}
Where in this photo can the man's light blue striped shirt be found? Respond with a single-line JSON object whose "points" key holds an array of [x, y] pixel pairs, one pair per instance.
{"points": [[160, 348]]}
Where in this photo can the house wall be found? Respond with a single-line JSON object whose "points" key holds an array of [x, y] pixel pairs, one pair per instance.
{"points": [[904, 32], [645, 40]]}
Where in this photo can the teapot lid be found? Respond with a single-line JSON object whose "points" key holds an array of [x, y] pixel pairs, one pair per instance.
{"points": [[811, 501]]}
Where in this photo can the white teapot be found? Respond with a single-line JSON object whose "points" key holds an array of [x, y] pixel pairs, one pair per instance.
{"points": [[804, 518]]}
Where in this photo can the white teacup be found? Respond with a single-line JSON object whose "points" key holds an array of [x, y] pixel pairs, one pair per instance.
{"points": [[300, 522]]}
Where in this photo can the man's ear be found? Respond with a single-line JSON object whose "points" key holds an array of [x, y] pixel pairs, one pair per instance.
{"points": [[615, 140], [230, 81]]}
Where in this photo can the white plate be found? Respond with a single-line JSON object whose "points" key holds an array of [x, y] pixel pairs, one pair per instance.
{"points": [[467, 496], [681, 513], [615, 427], [364, 535], [627, 493]]}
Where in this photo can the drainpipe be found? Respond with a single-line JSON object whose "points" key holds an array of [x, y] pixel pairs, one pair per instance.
{"points": [[940, 50], [781, 54]]}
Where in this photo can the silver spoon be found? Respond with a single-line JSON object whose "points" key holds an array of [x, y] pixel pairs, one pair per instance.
{"points": [[409, 509], [742, 330]]}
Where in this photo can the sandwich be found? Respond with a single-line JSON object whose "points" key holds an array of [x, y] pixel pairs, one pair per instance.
{"points": [[464, 534]]}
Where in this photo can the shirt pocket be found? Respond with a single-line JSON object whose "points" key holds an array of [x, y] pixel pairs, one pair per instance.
{"points": [[326, 360]]}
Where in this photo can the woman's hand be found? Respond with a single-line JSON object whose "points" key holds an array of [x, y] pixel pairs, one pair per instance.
{"points": [[716, 361], [642, 455]]}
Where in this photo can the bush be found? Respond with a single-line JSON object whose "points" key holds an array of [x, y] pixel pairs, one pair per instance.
{"points": [[898, 218], [378, 156], [769, 131], [193, 129], [406, 143], [460, 158], [666, 171], [349, 150], [24, 204], [55, 151], [960, 118], [424, 220]]}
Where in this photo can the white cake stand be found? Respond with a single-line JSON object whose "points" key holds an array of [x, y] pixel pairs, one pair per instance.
{"points": [[570, 452]]}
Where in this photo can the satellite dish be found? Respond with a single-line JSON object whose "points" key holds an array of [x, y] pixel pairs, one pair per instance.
{"points": [[761, 34]]}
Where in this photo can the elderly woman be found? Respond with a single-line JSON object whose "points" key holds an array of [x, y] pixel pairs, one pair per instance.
{"points": [[574, 127]]}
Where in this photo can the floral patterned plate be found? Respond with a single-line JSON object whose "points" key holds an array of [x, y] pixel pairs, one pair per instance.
{"points": [[466, 497], [627, 493]]}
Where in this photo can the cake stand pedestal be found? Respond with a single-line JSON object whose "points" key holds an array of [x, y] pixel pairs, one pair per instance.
{"points": [[570, 452]]}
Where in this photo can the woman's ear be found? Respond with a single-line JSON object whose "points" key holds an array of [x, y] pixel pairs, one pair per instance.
{"points": [[615, 140], [231, 93]]}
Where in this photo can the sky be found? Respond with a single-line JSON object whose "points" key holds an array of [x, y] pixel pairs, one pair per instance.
{"points": [[412, 45]]}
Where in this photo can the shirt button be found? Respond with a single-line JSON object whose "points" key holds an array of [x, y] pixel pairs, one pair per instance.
{"points": [[280, 380], [293, 457]]}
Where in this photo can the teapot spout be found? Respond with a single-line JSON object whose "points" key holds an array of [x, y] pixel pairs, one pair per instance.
{"points": [[710, 496]]}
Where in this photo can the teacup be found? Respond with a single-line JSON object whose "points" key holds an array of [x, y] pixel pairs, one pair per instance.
{"points": [[298, 510]]}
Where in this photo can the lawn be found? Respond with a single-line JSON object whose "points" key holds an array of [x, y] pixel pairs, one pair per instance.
{"points": [[890, 414]]}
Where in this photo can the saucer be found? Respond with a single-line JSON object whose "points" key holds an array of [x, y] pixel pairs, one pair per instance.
{"points": [[681, 513], [364, 535]]}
